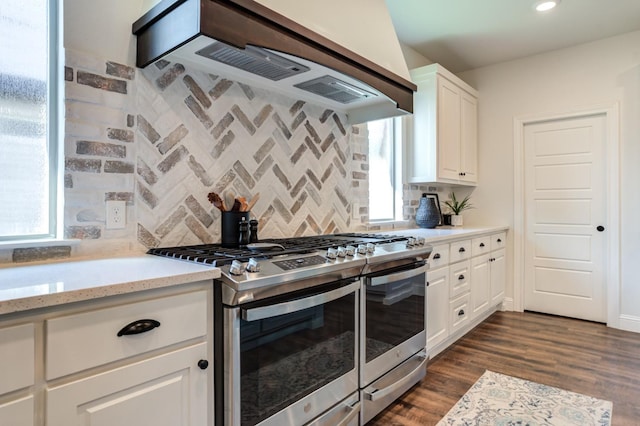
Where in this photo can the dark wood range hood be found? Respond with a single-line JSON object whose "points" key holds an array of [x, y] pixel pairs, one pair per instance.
{"points": [[199, 32]]}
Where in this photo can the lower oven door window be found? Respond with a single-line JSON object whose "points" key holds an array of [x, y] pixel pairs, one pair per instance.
{"points": [[394, 309], [286, 356]]}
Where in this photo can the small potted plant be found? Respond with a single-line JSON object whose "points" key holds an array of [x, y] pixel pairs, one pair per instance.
{"points": [[457, 207]]}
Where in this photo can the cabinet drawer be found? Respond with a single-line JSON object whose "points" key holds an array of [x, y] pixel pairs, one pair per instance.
{"points": [[17, 353], [460, 250], [459, 312], [20, 412], [439, 256], [480, 245], [459, 274], [80, 341], [498, 241]]}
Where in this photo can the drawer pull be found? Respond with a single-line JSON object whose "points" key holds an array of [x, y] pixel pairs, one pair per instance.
{"points": [[436, 256], [499, 240], [461, 312], [461, 277], [481, 244], [461, 250], [139, 326], [203, 364]]}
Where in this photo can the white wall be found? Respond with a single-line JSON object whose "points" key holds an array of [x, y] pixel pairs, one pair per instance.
{"points": [[103, 28], [602, 72]]}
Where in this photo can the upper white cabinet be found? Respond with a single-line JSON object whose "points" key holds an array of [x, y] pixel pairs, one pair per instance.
{"points": [[444, 144]]}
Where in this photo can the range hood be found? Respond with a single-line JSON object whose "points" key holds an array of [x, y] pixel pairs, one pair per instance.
{"points": [[245, 41]]}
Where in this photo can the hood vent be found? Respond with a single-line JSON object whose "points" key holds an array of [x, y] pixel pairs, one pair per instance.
{"points": [[334, 89], [248, 42], [254, 60]]}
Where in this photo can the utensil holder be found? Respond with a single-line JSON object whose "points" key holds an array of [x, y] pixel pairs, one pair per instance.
{"points": [[229, 227]]}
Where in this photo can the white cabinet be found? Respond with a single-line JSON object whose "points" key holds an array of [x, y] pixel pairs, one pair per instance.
{"points": [[437, 306], [17, 372], [167, 390], [444, 144], [69, 366], [466, 284]]}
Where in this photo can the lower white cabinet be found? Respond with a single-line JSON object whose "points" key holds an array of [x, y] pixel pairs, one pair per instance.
{"points": [[480, 284], [437, 306], [464, 291], [19, 412], [167, 390]]}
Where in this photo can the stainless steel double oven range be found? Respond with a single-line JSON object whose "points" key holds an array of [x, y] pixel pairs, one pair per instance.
{"points": [[324, 330]]}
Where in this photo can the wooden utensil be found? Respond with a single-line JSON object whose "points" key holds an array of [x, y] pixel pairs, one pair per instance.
{"points": [[252, 202], [217, 201]]}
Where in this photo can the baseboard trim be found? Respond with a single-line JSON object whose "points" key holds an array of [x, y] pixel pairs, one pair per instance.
{"points": [[507, 304], [629, 323]]}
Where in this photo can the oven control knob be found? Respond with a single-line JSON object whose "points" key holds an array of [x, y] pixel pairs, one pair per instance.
{"points": [[332, 253], [411, 242], [236, 268], [362, 249], [420, 241], [253, 265], [342, 252], [350, 250], [370, 247]]}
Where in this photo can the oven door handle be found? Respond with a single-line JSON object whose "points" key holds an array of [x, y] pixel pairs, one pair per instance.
{"points": [[386, 279], [254, 314], [376, 394]]}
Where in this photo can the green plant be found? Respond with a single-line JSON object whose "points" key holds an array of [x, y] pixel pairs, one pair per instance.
{"points": [[456, 206]]}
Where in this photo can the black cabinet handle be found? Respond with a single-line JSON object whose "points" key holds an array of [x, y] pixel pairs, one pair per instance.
{"points": [[481, 244], [427, 283], [139, 326], [499, 240], [461, 277], [461, 312], [600, 228], [461, 250], [436, 256], [203, 364]]}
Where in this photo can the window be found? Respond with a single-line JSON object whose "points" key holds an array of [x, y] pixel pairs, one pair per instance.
{"points": [[385, 182], [28, 131]]}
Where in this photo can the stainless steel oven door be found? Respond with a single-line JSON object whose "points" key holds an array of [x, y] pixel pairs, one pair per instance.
{"points": [[393, 327], [291, 358]]}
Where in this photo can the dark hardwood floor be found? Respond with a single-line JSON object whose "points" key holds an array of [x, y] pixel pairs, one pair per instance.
{"points": [[575, 355]]}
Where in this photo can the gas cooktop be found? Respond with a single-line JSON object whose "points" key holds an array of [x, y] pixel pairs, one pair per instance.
{"points": [[217, 255]]}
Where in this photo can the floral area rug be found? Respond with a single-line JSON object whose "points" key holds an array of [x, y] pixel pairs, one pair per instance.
{"points": [[496, 399]]}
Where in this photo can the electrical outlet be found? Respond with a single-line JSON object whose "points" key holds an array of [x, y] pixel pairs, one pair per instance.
{"points": [[116, 214]]}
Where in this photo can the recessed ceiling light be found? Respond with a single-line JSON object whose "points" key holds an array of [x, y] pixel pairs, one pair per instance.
{"points": [[545, 5]]}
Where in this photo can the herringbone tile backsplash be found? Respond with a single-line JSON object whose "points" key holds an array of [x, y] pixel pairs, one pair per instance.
{"points": [[162, 138]]}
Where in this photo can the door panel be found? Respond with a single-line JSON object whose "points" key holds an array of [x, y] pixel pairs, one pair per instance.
{"points": [[564, 204]]}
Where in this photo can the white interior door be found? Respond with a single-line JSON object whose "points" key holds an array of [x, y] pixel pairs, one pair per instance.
{"points": [[565, 213]]}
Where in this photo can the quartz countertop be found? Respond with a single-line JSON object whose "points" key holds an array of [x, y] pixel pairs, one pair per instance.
{"points": [[36, 286], [447, 233]]}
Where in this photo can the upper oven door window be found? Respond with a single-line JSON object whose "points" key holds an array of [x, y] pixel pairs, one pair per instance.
{"points": [[291, 348], [394, 309]]}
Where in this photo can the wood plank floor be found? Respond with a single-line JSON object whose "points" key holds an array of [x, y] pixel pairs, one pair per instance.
{"points": [[578, 356]]}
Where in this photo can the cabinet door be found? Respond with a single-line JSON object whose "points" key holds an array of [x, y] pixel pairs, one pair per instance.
{"points": [[448, 130], [468, 138], [437, 306], [18, 413], [480, 284], [498, 276], [168, 390]]}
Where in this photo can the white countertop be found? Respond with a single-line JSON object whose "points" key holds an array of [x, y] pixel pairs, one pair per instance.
{"points": [[36, 286]]}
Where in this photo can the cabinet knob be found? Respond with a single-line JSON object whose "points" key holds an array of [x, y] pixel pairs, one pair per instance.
{"points": [[461, 277], [461, 312], [481, 244], [600, 228], [499, 240], [436, 256], [203, 364], [461, 250]]}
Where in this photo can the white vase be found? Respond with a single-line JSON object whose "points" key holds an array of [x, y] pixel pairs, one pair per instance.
{"points": [[456, 220]]}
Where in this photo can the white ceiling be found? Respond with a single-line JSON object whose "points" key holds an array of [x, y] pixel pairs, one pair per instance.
{"points": [[468, 34]]}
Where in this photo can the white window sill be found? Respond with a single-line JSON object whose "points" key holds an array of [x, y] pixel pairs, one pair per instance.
{"points": [[390, 224]]}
